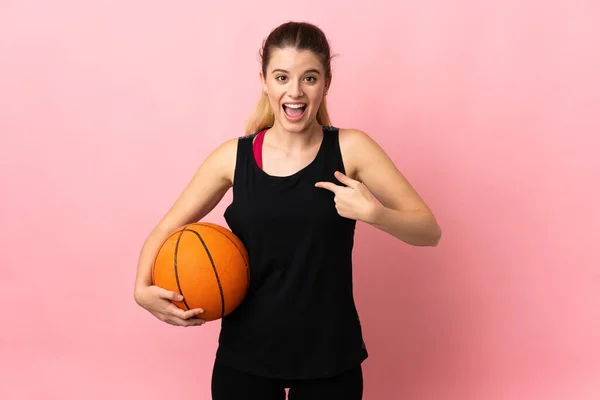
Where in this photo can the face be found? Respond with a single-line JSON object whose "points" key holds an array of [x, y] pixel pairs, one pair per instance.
{"points": [[295, 83]]}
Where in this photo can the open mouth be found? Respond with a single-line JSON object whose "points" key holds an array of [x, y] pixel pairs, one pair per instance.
{"points": [[294, 110]]}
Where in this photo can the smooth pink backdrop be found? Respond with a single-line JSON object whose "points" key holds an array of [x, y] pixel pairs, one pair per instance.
{"points": [[491, 109]]}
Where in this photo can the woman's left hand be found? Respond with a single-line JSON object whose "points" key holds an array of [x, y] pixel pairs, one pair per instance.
{"points": [[353, 200]]}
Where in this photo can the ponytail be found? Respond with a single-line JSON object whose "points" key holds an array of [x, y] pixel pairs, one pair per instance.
{"points": [[262, 118]]}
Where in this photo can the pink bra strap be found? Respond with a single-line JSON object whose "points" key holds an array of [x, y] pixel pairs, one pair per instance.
{"points": [[257, 147]]}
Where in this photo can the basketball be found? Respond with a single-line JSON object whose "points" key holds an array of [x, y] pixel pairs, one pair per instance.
{"points": [[205, 263]]}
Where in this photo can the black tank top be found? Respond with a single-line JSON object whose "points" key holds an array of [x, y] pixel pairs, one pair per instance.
{"points": [[298, 319]]}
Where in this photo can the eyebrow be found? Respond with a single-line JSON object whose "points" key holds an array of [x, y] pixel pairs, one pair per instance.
{"points": [[311, 71]]}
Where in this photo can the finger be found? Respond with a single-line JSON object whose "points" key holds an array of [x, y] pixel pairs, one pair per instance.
{"points": [[177, 321], [169, 295], [192, 322], [346, 180], [192, 313], [184, 322], [328, 185], [173, 311]]}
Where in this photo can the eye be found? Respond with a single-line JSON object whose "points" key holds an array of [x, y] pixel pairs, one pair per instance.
{"points": [[311, 79], [280, 78]]}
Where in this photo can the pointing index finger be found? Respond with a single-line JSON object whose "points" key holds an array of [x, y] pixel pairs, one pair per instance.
{"points": [[328, 185]]}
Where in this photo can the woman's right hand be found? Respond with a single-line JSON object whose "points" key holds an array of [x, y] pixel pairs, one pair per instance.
{"points": [[158, 302]]}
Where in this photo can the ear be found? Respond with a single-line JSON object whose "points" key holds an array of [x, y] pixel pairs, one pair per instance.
{"points": [[263, 83]]}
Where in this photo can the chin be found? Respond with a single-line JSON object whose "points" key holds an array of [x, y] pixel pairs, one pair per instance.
{"points": [[295, 127]]}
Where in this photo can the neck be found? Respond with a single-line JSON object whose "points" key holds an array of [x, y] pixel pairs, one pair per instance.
{"points": [[278, 136]]}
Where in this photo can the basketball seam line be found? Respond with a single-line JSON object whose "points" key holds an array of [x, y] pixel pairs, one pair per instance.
{"points": [[158, 253], [175, 267], [237, 247], [214, 270]]}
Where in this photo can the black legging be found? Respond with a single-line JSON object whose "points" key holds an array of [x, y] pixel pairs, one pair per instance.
{"points": [[231, 384]]}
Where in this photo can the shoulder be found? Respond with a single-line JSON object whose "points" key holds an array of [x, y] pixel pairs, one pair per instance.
{"points": [[358, 149], [222, 159], [229, 148], [353, 138], [226, 148]]}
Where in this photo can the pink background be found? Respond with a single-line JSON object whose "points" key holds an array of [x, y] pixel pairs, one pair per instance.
{"points": [[491, 109]]}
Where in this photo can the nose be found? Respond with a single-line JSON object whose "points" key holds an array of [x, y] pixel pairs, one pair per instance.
{"points": [[295, 89]]}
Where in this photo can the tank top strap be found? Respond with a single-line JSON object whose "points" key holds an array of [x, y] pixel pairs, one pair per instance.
{"points": [[244, 160], [332, 150]]}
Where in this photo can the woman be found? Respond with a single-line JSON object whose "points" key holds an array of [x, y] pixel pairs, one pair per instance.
{"points": [[299, 186]]}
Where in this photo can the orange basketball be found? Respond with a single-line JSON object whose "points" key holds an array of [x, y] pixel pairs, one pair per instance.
{"points": [[207, 264]]}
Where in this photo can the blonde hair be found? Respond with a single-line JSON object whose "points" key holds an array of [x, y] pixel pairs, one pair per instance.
{"points": [[302, 36], [263, 116]]}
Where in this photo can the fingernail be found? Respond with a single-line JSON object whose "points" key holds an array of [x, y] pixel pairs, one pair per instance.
{"points": [[179, 297], [201, 310]]}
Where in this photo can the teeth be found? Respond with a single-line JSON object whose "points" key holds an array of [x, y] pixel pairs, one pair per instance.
{"points": [[295, 105]]}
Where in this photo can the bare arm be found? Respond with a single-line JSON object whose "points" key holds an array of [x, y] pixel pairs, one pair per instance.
{"points": [[207, 187], [379, 194]]}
